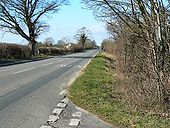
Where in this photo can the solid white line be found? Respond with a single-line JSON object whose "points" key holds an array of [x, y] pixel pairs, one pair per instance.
{"points": [[45, 126], [23, 70]]}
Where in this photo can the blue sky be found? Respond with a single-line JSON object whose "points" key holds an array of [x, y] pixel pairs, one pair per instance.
{"points": [[65, 24]]}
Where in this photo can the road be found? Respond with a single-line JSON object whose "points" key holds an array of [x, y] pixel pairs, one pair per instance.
{"points": [[30, 91]]}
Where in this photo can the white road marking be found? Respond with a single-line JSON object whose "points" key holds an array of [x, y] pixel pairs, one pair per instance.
{"points": [[59, 65], [79, 66], [61, 105], [60, 60], [74, 122], [53, 119], [57, 111], [45, 127], [63, 65], [65, 100], [77, 114], [47, 64], [23, 70], [62, 92], [69, 65]]}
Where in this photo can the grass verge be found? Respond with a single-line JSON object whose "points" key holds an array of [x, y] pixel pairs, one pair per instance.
{"points": [[36, 57], [95, 91]]}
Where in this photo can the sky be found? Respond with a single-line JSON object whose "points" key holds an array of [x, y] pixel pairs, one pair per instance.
{"points": [[65, 23]]}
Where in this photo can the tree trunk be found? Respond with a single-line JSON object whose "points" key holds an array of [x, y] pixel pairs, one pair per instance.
{"points": [[32, 47]]}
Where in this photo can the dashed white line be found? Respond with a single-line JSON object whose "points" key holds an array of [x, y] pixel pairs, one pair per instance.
{"points": [[47, 64], [62, 92], [79, 66], [69, 65], [74, 122], [60, 60], [65, 100], [53, 119], [23, 70], [77, 114], [61, 105], [57, 111]]}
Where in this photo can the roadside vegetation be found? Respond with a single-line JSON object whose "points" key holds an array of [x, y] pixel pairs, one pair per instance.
{"points": [[98, 90], [140, 43], [13, 52]]}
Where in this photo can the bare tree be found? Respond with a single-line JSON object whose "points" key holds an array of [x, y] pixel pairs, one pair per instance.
{"points": [[25, 17], [49, 41], [83, 35]]}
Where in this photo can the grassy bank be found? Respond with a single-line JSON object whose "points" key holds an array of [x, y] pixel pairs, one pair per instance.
{"points": [[95, 90]]}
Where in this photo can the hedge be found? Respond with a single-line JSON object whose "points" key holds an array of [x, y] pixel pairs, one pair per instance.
{"points": [[14, 51]]}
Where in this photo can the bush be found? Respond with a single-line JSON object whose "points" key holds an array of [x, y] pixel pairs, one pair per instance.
{"points": [[14, 51], [43, 50], [50, 50], [60, 51], [76, 48], [54, 51]]}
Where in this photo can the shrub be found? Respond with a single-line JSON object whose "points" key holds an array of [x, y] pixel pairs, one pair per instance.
{"points": [[43, 50], [54, 51], [76, 48], [14, 51]]}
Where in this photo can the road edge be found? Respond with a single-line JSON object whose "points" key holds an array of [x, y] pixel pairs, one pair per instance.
{"points": [[23, 61]]}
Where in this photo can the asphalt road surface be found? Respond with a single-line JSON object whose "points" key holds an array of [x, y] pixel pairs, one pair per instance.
{"points": [[30, 91]]}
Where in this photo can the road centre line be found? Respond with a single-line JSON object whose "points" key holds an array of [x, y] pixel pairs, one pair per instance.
{"points": [[47, 64], [23, 70], [51, 63], [34, 67]]}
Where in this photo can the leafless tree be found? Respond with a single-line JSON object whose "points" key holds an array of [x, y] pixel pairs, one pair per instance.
{"points": [[25, 17], [49, 41], [83, 35]]}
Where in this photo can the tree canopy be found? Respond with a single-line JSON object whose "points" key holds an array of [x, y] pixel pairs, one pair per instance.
{"points": [[25, 17]]}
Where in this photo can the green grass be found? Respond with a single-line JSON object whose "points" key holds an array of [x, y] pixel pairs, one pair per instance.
{"points": [[95, 91]]}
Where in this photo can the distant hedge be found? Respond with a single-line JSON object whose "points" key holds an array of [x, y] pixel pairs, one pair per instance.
{"points": [[60, 51], [52, 50], [76, 48], [14, 51]]}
